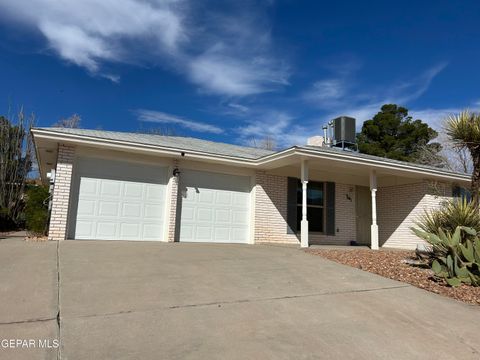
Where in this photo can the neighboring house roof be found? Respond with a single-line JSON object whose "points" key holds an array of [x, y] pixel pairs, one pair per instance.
{"points": [[174, 142], [249, 156]]}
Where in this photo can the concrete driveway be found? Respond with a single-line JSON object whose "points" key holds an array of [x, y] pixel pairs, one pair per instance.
{"points": [[124, 300]]}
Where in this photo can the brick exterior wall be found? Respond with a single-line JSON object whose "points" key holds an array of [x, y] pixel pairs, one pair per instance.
{"points": [[61, 193], [398, 207], [172, 217], [271, 213]]}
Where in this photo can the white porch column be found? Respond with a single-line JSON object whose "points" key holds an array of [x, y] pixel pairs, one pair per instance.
{"points": [[374, 226], [304, 222]]}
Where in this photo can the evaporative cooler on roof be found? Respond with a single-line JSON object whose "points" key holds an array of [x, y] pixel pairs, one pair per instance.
{"points": [[344, 131]]}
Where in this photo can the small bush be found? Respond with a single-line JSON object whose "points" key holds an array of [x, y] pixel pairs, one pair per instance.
{"points": [[36, 210], [452, 214]]}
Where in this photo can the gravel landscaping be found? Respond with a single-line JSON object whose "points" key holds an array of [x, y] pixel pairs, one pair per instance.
{"points": [[391, 264]]}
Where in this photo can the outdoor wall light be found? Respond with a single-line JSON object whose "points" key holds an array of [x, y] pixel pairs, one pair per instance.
{"points": [[176, 172]]}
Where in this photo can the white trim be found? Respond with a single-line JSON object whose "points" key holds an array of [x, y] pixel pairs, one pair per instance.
{"points": [[374, 226], [253, 210], [304, 222]]}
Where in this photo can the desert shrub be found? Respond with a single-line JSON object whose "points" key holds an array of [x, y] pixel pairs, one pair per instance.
{"points": [[36, 209], [452, 214], [455, 258]]}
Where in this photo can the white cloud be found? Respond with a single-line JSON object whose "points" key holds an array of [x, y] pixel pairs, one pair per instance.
{"points": [[221, 73], [239, 107], [328, 90], [339, 96], [436, 117], [275, 125], [164, 118], [219, 53], [90, 32], [413, 89]]}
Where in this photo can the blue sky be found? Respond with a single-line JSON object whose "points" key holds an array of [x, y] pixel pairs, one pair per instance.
{"points": [[237, 70]]}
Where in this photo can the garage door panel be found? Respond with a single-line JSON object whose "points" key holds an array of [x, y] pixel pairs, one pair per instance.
{"points": [[85, 229], [188, 213], [132, 210], [122, 208], [221, 233], [239, 199], [222, 215], [152, 231], [107, 208], [214, 208], [86, 207], [203, 233], [110, 188], [106, 229], [155, 192], [224, 198], [153, 211], [187, 232], [240, 217], [133, 190], [204, 214], [204, 196], [88, 187], [239, 235], [129, 230]]}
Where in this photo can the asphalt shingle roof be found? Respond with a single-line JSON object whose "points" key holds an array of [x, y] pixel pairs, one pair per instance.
{"points": [[177, 142], [218, 148]]}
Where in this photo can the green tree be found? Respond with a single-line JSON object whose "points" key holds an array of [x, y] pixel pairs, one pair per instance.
{"points": [[393, 134], [464, 130]]}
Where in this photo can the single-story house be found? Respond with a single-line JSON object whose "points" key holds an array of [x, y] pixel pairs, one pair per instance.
{"points": [[129, 186]]}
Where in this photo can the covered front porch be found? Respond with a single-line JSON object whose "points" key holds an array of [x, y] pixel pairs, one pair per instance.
{"points": [[334, 198]]}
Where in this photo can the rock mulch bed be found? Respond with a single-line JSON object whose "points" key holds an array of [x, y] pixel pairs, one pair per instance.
{"points": [[36, 238], [392, 264]]}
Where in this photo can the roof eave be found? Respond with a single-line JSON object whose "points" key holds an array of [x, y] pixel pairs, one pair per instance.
{"points": [[75, 139], [254, 163]]}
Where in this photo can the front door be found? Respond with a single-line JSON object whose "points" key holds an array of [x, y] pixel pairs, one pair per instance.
{"points": [[363, 205]]}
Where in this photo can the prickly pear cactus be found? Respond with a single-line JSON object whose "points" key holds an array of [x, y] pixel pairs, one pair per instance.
{"points": [[456, 260]]}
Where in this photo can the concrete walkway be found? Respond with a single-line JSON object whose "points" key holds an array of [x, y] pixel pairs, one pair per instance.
{"points": [[127, 300]]}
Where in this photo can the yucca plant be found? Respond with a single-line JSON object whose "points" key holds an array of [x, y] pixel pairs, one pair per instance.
{"points": [[452, 213], [464, 130]]}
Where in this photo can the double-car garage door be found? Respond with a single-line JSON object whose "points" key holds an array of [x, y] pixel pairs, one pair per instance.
{"points": [[115, 200]]}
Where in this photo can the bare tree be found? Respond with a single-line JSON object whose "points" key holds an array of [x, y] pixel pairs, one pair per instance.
{"points": [[431, 154], [16, 157], [456, 158], [72, 122]]}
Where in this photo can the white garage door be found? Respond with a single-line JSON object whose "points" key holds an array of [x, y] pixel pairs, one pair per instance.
{"points": [[119, 201], [214, 207]]}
